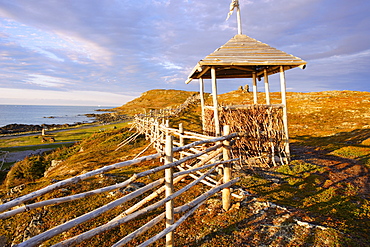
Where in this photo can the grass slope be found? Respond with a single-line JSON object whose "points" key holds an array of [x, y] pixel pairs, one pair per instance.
{"points": [[154, 99]]}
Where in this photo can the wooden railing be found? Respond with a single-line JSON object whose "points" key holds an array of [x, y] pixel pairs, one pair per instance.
{"points": [[156, 129], [209, 154], [171, 112]]}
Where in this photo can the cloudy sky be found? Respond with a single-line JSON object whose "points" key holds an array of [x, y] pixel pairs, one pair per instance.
{"points": [[106, 52]]}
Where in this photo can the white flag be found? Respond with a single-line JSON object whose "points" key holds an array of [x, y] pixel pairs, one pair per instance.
{"points": [[234, 4]]}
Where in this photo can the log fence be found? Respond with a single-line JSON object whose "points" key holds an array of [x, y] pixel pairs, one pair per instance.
{"points": [[171, 112], [185, 154]]}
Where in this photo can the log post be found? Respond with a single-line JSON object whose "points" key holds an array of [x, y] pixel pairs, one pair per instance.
{"points": [[169, 188], [201, 92], [156, 135], [285, 112], [226, 193], [239, 19], [215, 102], [181, 138], [267, 87], [152, 127], [163, 133], [255, 100]]}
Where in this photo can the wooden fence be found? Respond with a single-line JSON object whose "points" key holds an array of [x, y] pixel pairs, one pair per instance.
{"points": [[207, 154], [171, 112]]}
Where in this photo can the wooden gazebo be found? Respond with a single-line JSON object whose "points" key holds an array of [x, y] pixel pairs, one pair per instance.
{"points": [[245, 57]]}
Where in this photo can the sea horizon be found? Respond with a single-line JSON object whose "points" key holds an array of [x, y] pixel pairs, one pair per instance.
{"points": [[47, 114]]}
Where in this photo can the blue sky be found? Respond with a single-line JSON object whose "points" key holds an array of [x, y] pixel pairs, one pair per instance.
{"points": [[107, 52]]}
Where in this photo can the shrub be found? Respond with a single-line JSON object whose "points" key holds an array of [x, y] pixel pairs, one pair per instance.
{"points": [[27, 170]]}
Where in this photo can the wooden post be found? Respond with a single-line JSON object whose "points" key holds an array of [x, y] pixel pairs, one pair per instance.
{"points": [[163, 133], [285, 112], [226, 193], [215, 102], [181, 138], [201, 92], [152, 127], [239, 19], [146, 125], [169, 188], [157, 135], [254, 78], [267, 88]]}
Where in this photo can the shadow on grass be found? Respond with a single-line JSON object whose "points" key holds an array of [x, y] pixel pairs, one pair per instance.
{"points": [[268, 226], [333, 190], [355, 138]]}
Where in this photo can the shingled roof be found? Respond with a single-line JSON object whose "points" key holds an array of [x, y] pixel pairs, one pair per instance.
{"points": [[241, 56]]}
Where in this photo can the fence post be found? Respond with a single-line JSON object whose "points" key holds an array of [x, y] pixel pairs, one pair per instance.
{"points": [[162, 132], [169, 188], [181, 138], [226, 193], [167, 124], [157, 136], [152, 128]]}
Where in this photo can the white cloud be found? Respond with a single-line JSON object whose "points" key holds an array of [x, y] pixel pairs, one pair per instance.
{"points": [[51, 97], [78, 45], [46, 81]]}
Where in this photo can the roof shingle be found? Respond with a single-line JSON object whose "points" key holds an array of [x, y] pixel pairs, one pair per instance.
{"points": [[243, 55]]}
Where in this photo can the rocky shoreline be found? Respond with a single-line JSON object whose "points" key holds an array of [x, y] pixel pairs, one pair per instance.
{"points": [[98, 118], [109, 117]]}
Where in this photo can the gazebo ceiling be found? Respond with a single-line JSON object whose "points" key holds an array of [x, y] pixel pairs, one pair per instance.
{"points": [[241, 56]]}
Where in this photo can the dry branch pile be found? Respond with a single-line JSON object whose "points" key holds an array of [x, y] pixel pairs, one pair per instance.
{"points": [[264, 140]]}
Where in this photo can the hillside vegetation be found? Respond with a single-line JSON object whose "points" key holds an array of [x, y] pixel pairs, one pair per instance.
{"points": [[325, 186], [154, 99]]}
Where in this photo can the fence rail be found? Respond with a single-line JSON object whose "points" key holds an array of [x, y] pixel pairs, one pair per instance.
{"points": [[205, 153]]}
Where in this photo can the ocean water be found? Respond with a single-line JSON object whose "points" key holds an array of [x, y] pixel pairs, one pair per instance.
{"points": [[46, 114]]}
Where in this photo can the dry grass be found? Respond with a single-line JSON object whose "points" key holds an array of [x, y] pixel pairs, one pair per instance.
{"points": [[325, 184], [154, 99]]}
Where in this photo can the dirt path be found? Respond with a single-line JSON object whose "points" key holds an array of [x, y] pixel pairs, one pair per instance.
{"points": [[20, 155], [33, 150]]}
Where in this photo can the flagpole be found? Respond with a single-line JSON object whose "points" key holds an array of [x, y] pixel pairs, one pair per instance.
{"points": [[235, 4], [239, 19]]}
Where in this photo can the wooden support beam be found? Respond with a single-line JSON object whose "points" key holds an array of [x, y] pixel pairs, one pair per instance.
{"points": [[267, 87], [285, 112], [169, 188], [241, 68], [203, 72], [226, 193], [254, 78], [201, 92], [215, 102]]}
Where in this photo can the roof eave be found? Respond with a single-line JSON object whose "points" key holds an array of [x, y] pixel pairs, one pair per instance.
{"points": [[202, 67]]}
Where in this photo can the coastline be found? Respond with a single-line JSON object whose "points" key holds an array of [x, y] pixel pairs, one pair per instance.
{"points": [[101, 118], [47, 114]]}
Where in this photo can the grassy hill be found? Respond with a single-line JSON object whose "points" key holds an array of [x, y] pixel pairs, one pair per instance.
{"points": [[325, 185], [154, 99]]}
